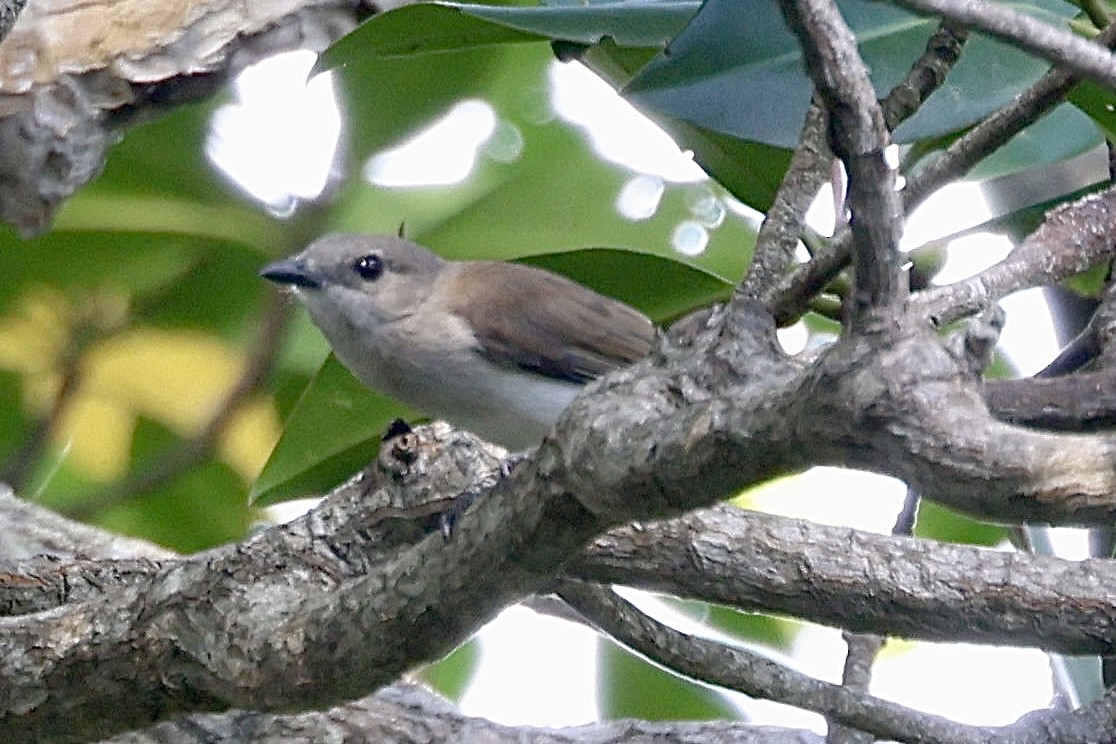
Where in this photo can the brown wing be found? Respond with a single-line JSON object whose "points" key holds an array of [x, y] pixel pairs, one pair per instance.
{"points": [[537, 320]]}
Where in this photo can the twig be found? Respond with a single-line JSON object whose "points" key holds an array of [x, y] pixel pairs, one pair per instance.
{"points": [[1073, 238], [19, 465], [943, 49], [795, 291], [782, 227], [995, 131], [756, 675], [864, 647], [1057, 45]]}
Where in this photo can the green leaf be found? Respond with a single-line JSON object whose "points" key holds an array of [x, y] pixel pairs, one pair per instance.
{"points": [[451, 676], [747, 626], [741, 73], [663, 288], [753, 627], [750, 171], [423, 28], [1064, 133], [218, 290], [389, 99], [1099, 103], [88, 261], [556, 195], [936, 522], [14, 421], [630, 687], [333, 431]]}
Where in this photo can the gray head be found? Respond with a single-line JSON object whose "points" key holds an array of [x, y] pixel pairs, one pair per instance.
{"points": [[366, 279]]}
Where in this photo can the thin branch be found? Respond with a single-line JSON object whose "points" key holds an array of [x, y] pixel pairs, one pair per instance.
{"points": [[942, 51], [1060, 47], [780, 232], [794, 293], [864, 647], [927, 74], [756, 675], [1074, 237], [996, 130], [858, 136], [19, 465]]}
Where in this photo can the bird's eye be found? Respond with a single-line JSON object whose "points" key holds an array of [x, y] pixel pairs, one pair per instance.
{"points": [[369, 267]]}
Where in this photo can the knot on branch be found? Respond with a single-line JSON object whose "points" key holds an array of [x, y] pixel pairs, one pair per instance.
{"points": [[974, 345]]}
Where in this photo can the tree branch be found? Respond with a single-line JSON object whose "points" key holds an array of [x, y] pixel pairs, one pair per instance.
{"points": [[798, 287], [343, 601], [1060, 47], [757, 676], [890, 585], [779, 234], [857, 135], [1073, 237], [399, 713]]}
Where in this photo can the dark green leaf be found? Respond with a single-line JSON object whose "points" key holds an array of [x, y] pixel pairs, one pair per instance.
{"points": [[1099, 103], [219, 291], [428, 27], [333, 431], [741, 73], [662, 288], [1060, 135]]}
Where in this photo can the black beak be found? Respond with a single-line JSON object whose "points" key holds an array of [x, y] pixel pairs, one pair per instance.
{"points": [[291, 271]]}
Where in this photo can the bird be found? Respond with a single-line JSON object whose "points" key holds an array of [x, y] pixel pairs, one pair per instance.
{"points": [[499, 349]]}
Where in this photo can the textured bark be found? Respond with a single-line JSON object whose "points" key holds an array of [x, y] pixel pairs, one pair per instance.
{"points": [[100, 636]]}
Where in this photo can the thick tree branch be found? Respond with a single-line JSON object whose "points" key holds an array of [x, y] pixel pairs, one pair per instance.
{"points": [[339, 603], [400, 713], [846, 578], [30, 530], [410, 714], [1085, 401], [857, 135]]}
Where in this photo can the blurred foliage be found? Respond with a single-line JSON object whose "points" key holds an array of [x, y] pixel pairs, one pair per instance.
{"points": [[126, 329], [630, 687]]}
